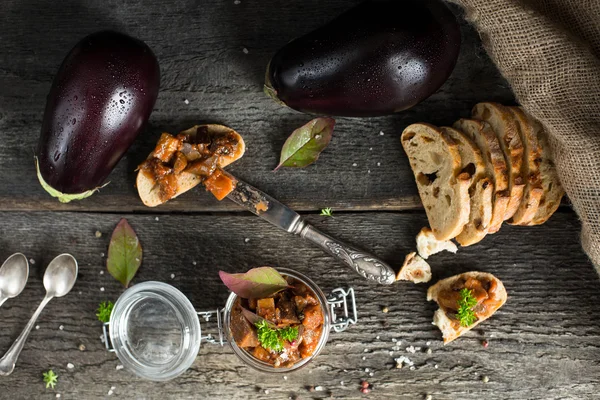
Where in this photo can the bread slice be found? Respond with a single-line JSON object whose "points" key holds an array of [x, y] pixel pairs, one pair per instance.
{"points": [[427, 244], [447, 292], [553, 190], [480, 192], [414, 269], [532, 154], [505, 127], [482, 134], [443, 188], [147, 187]]}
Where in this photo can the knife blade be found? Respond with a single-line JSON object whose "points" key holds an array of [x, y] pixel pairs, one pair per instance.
{"points": [[278, 214]]}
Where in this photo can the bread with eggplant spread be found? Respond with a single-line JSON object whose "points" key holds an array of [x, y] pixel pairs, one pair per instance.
{"points": [[194, 156]]}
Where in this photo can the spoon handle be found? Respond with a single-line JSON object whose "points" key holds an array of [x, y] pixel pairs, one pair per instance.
{"points": [[8, 361]]}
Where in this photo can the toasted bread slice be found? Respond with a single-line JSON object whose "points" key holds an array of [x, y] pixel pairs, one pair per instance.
{"points": [[505, 127], [553, 190], [482, 134], [148, 188], [447, 293], [443, 188], [427, 244], [480, 192], [532, 154], [414, 269]]}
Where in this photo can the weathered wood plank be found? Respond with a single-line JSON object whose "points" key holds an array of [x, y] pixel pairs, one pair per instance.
{"points": [[544, 343], [199, 46]]}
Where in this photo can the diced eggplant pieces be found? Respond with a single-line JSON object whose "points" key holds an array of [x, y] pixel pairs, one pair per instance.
{"points": [[242, 331], [180, 163], [287, 311], [313, 317], [260, 353], [266, 308], [301, 303], [166, 147], [252, 304]]}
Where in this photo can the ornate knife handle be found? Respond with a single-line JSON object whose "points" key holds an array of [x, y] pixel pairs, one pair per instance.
{"points": [[365, 264]]}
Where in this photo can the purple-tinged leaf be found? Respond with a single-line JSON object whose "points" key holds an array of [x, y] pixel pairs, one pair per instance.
{"points": [[255, 284], [124, 253], [306, 143]]}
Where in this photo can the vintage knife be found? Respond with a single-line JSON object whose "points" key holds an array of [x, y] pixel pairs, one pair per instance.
{"points": [[285, 218]]}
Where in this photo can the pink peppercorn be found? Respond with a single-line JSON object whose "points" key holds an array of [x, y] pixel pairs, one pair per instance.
{"points": [[485, 344]]}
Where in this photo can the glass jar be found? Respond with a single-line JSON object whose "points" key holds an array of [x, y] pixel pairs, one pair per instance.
{"points": [[155, 331]]}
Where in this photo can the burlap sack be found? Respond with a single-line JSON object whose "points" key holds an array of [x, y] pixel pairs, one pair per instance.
{"points": [[549, 51]]}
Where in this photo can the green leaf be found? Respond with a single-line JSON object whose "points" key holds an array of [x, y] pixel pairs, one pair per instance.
{"points": [[465, 313], [256, 283], [290, 333], [104, 310], [273, 339], [50, 379], [306, 143], [327, 212], [124, 253]]}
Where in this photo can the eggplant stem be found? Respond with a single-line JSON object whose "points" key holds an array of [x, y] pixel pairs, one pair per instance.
{"points": [[63, 197]]}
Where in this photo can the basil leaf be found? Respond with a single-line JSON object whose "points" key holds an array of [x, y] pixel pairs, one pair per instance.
{"points": [[124, 253], [256, 283], [306, 143]]}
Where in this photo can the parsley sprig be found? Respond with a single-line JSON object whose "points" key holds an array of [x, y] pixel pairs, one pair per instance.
{"points": [[272, 338], [104, 310], [327, 212], [50, 379], [465, 314]]}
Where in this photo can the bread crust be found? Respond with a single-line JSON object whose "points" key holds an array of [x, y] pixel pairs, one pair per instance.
{"points": [[482, 134], [414, 269], [505, 128], [441, 319], [480, 191], [147, 188], [444, 190], [532, 154]]}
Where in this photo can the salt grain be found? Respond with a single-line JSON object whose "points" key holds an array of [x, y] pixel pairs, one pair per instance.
{"points": [[381, 133], [391, 353], [485, 379], [58, 395], [172, 276], [429, 351], [370, 149], [194, 263], [156, 219], [412, 367], [364, 358], [402, 361], [37, 327], [110, 392], [435, 366], [285, 378], [236, 2], [101, 254], [186, 101], [31, 261], [354, 164], [371, 374], [82, 347], [394, 340], [246, 240], [61, 327], [368, 171], [379, 164], [412, 349], [429, 397], [266, 391], [377, 337], [428, 343], [119, 367], [245, 50], [102, 289], [365, 350], [319, 388], [70, 366], [102, 272], [98, 234], [366, 369], [341, 383]]}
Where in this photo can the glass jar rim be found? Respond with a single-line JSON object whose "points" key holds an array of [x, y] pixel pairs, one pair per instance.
{"points": [[266, 367]]}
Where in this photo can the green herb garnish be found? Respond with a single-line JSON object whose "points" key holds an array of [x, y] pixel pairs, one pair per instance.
{"points": [[465, 314], [326, 212], [104, 310], [273, 339], [50, 379]]}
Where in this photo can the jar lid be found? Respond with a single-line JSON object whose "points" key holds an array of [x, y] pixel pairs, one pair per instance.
{"points": [[155, 331]]}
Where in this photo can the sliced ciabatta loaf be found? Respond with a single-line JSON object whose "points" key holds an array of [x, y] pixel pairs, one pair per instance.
{"points": [[148, 188], [480, 192], [553, 190], [414, 269], [505, 127], [485, 294], [444, 190], [532, 154], [427, 244], [482, 134]]}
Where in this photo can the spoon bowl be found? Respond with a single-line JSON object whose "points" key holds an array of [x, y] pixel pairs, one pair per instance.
{"points": [[60, 276], [13, 276]]}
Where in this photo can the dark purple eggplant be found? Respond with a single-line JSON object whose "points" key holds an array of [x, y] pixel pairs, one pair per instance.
{"points": [[378, 58], [100, 99]]}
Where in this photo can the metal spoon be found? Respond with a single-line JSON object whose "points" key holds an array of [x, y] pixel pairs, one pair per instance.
{"points": [[59, 278], [13, 276]]}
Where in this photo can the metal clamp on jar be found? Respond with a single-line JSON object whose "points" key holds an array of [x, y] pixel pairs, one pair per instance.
{"points": [[155, 331]]}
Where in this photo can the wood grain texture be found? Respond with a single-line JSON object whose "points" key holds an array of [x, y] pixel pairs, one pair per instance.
{"points": [[544, 343], [200, 45]]}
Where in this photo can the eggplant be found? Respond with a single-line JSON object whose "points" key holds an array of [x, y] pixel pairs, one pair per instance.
{"points": [[378, 58], [99, 102]]}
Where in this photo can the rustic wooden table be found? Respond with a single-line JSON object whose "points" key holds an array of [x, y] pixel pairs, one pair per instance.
{"points": [[543, 344]]}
